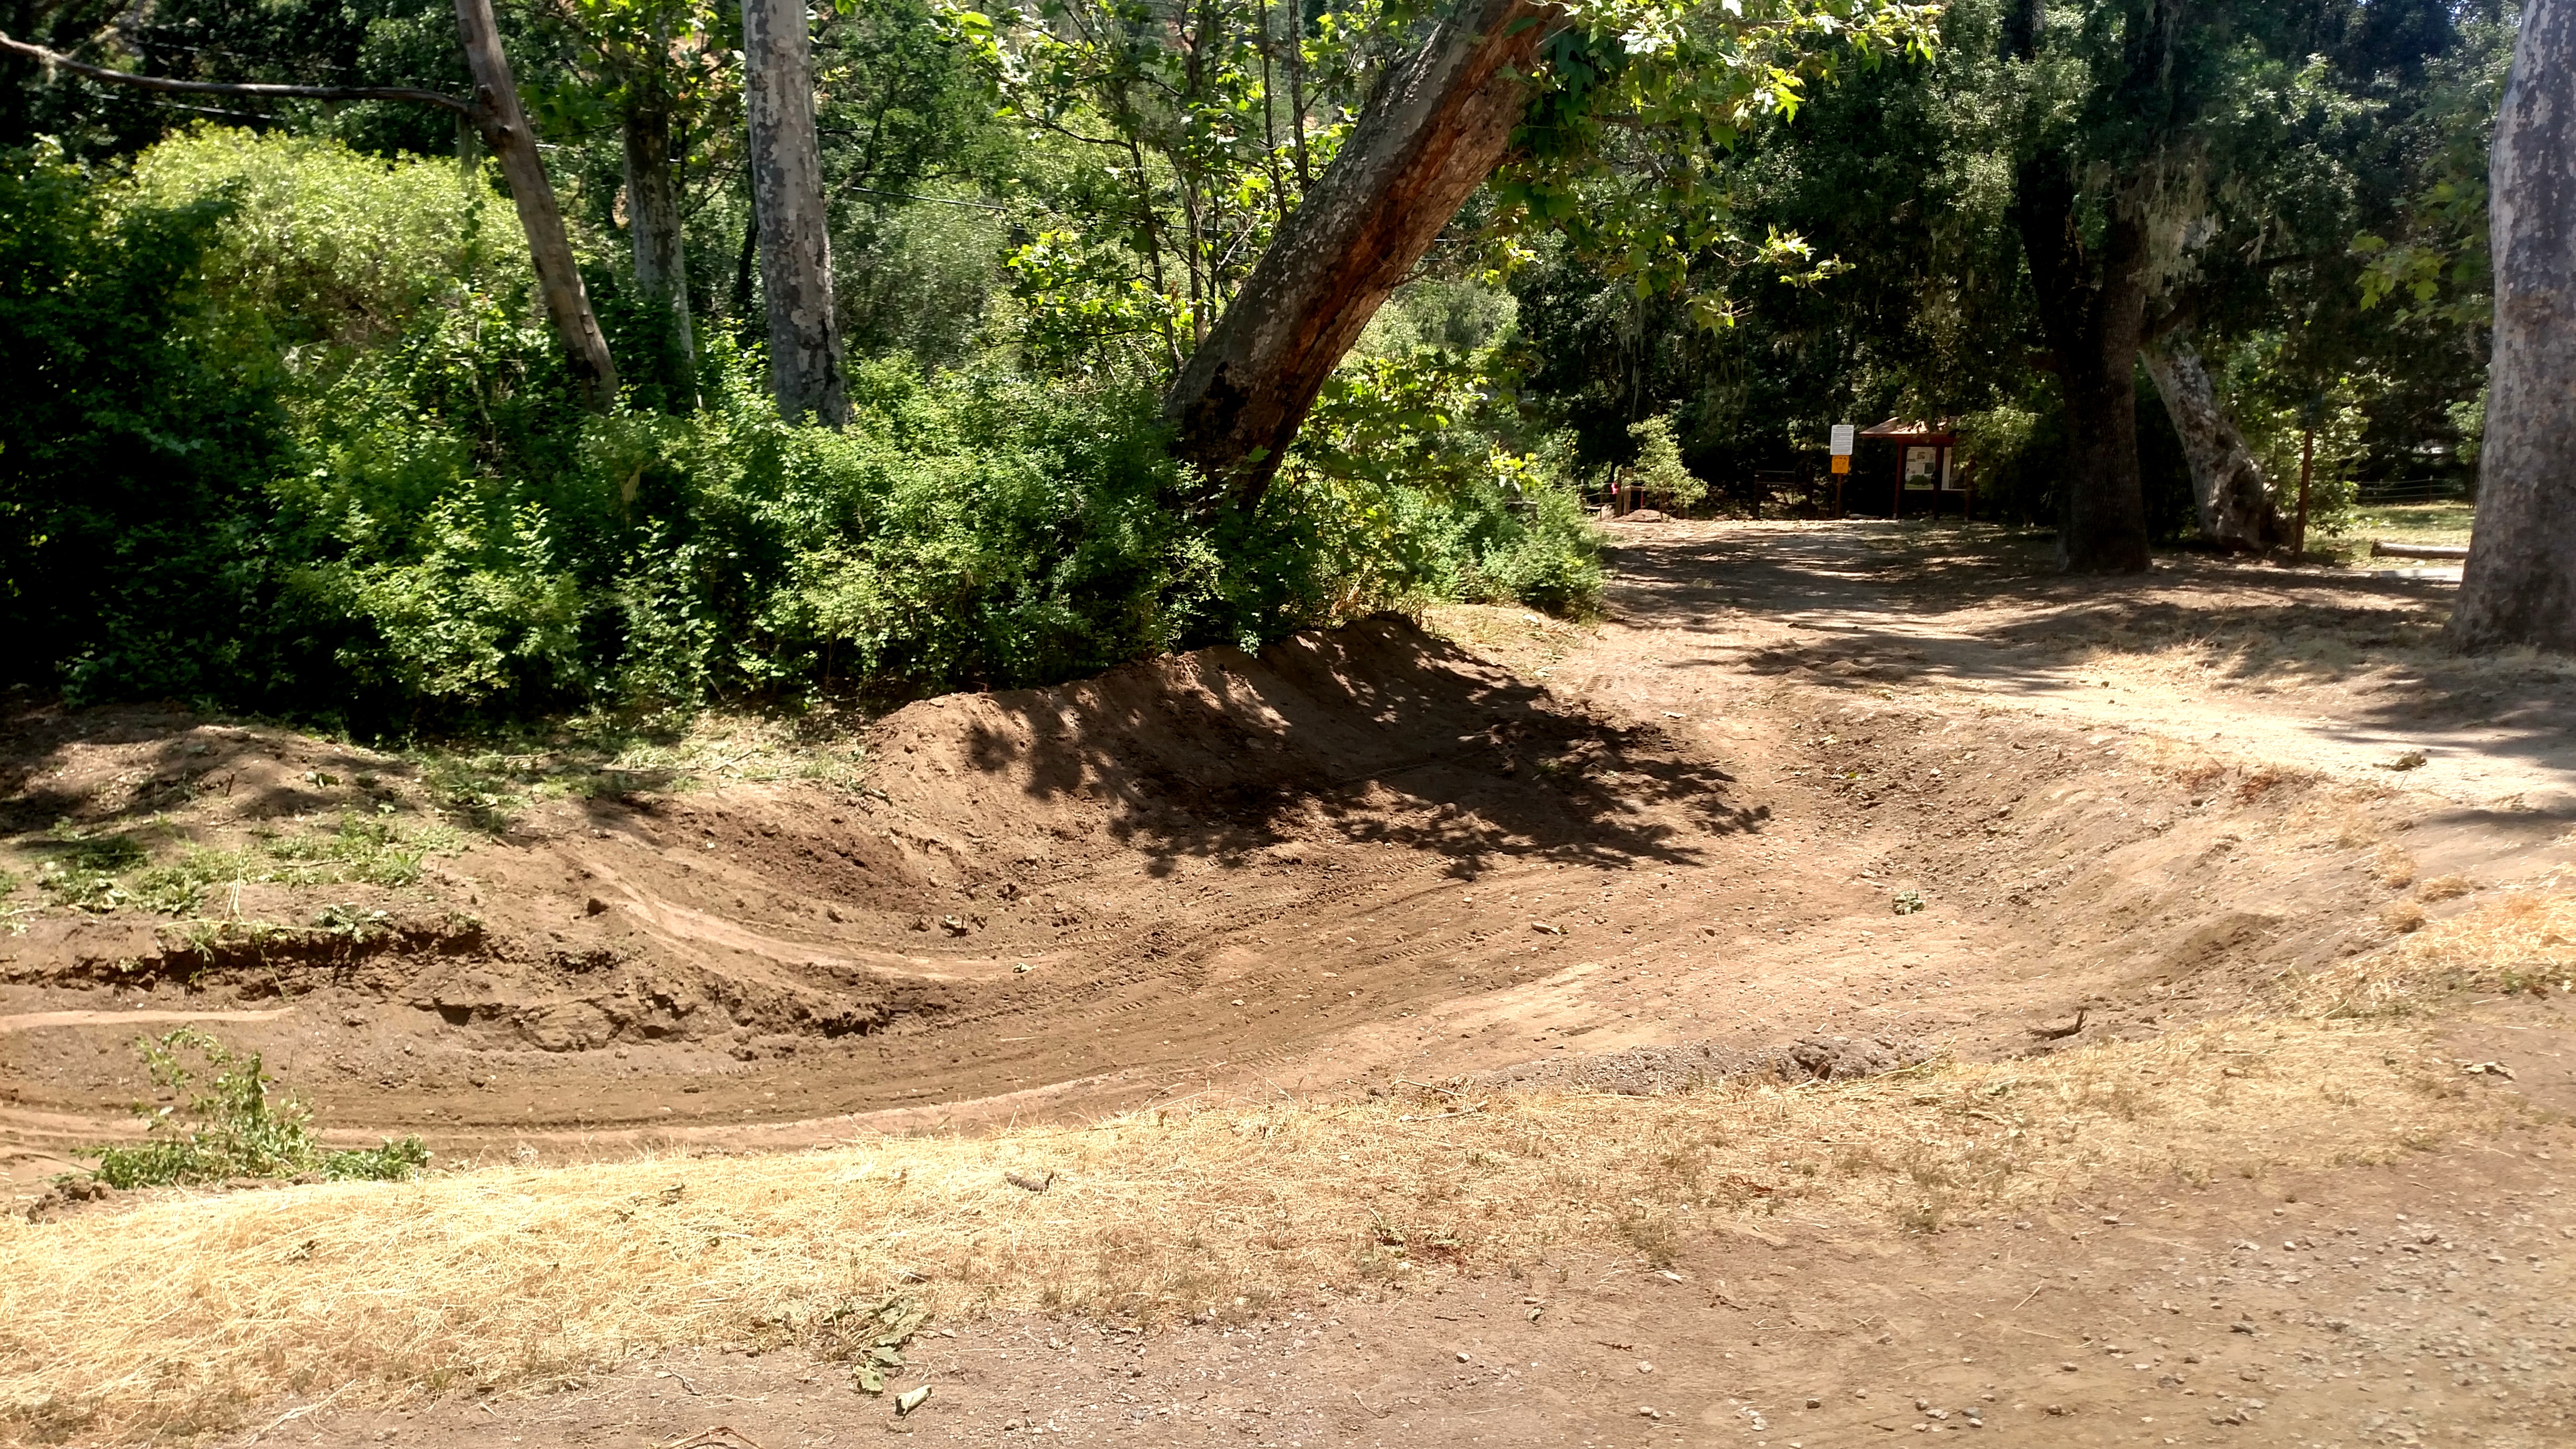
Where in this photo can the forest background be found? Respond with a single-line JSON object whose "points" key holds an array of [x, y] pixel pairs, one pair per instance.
{"points": [[283, 427]]}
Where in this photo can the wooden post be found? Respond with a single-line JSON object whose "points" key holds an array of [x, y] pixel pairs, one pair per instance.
{"points": [[2307, 465], [505, 130]]}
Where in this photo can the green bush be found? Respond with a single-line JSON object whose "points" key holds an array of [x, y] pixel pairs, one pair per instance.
{"points": [[359, 488], [230, 1128]]}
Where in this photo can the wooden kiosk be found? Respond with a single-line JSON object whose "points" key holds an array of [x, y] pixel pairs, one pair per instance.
{"points": [[1923, 463]]}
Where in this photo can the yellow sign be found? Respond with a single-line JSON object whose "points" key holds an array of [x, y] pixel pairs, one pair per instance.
{"points": [[1842, 462]]}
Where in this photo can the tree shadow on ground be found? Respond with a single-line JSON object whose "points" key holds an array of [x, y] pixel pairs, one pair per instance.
{"points": [[1375, 734], [1903, 605]]}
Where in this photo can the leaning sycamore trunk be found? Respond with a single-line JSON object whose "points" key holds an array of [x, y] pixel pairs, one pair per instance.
{"points": [[1437, 126], [2094, 303], [2227, 487], [787, 199], [505, 130], [2520, 584], [653, 224]]}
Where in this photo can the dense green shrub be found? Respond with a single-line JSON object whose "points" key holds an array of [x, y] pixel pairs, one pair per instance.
{"points": [[229, 1127], [345, 477]]}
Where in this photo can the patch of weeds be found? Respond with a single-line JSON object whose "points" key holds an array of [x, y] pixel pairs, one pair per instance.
{"points": [[81, 869], [1651, 1233], [1908, 902], [106, 854], [100, 873], [361, 850], [1926, 1215], [349, 921], [231, 1128], [870, 1337], [180, 886]]}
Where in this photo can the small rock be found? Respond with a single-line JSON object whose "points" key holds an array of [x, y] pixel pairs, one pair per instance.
{"points": [[2066, 1368], [1462, 1358], [1644, 1367], [1816, 1403]]}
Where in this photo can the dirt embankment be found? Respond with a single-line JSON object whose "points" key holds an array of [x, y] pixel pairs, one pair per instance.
{"points": [[1360, 855], [1818, 802]]}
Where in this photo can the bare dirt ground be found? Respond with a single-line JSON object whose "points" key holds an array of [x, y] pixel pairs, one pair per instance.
{"points": [[1485, 851]]}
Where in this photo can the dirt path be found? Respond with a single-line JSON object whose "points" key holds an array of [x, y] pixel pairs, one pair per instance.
{"points": [[1823, 799], [1381, 853], [2337, 671], [2377, 1307]]}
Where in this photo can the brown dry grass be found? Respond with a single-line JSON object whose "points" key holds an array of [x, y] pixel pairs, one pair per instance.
{"points": [[2521, 940], [178, 1315]]}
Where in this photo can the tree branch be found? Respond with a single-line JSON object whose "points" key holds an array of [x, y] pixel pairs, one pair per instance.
{"points": [[60, 61]]}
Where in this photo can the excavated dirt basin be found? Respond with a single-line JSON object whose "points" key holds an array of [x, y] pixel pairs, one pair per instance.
{"points": [[1691, 839]]}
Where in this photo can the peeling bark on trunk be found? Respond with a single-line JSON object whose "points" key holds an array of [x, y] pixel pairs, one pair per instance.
{"points": [[2520, 582], [787, 196], [653, 224], [2236, 508], [2095, 311], [505, 130], [1435, 129]]}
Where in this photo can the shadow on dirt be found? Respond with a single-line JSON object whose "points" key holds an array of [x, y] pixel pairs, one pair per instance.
{"points": [[1897, 606], [1377, 733]]}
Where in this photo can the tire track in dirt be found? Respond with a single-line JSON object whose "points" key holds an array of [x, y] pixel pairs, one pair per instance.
{"points": [[1351, 835]]}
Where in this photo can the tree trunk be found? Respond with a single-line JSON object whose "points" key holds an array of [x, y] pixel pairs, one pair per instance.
{"points": [[2227, 485], [653, 224], [2095, 312], [2520, 581], [1436, 127], [505, 130], [787, 197]]}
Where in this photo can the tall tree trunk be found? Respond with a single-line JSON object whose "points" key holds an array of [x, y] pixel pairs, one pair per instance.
{"points": [[2094, 306], [2236, 508], [1436, 127], [653, 224], [787, 196], [505, 130], [2520, 582]]}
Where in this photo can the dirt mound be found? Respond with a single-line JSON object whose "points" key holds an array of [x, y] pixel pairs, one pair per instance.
{"points": [[1360, 856], [1032, 887]]}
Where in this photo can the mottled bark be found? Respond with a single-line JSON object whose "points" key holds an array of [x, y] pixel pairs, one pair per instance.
{"points": [[1436, 127], [2093, 303], [653, 224], [513, 143], [2520, 582], [2237, 511], [787, 197]]}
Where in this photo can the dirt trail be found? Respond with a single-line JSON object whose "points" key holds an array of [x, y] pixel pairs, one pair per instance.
{"points": [[2336, 671], [1381, 853], [1690, 840]]}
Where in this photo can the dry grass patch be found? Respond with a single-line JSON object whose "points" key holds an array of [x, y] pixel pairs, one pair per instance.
{"points": [[2514, 941], [180, 1313]]}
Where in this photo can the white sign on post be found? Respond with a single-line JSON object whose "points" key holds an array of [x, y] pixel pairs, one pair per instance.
{"points": [[1843, 435]]}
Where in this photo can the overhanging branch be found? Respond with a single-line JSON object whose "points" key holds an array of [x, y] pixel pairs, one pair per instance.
{"points": [[60, 61]]}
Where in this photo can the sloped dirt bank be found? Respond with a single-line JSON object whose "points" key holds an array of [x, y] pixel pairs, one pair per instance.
{"points": [[1361, 855]]}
